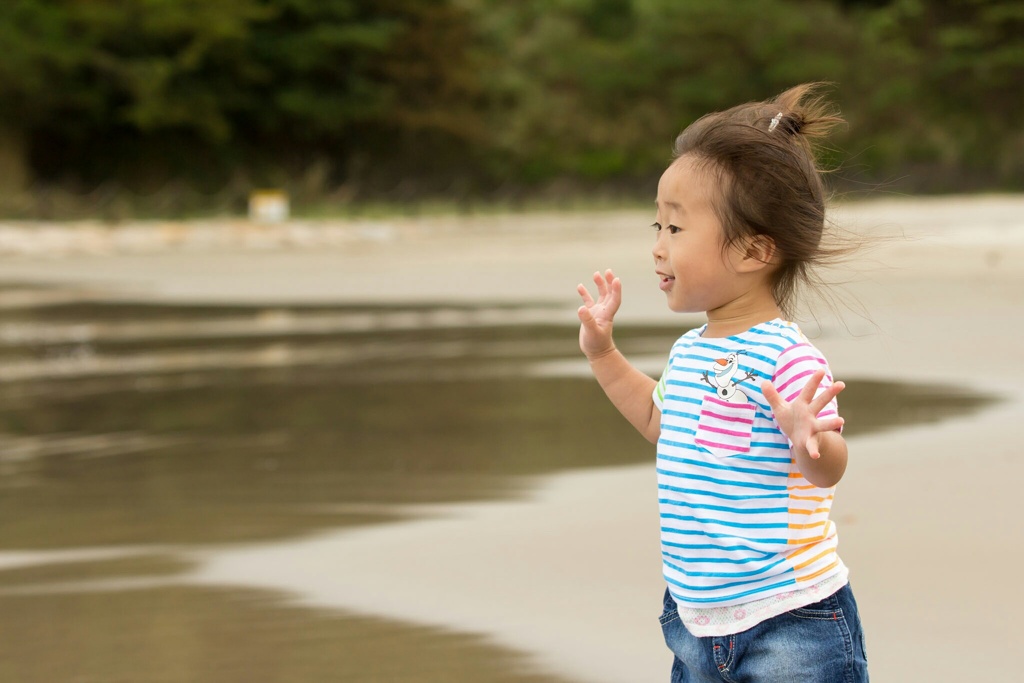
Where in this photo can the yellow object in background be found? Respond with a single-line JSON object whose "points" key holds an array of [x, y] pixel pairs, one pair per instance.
{"points": [[268, 206]]}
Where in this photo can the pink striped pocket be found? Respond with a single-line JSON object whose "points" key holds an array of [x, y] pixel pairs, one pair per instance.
{"points": [[724, 427]]}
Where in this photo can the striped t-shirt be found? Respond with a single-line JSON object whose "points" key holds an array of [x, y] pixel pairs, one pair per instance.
{"points": [[738, 521]]}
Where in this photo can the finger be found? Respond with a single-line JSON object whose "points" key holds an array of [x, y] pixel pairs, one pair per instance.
{"points": [[825, 397], [614, 296], [609, 276], [602, 286], [585, 295], [811, 388], [829, 424], [812, 447], [771, 395]]}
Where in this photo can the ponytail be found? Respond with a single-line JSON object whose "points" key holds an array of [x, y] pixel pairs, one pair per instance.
{"points": [[764, 155]]}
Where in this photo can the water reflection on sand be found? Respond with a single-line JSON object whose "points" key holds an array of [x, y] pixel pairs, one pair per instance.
{"points": [[163, 430], [190, 634]]}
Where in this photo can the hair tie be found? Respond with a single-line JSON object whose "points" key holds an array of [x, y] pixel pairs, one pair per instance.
{"points": [[775, 122]]}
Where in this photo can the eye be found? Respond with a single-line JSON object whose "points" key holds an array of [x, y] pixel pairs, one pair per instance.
{"points": [[673, 229]]}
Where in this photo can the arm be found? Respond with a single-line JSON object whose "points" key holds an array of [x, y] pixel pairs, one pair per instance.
{"points": [[820, 451], [828, 468], [627, 388]]}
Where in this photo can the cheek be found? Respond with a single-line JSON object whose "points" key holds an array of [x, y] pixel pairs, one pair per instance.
{"points": [[680, 255]]}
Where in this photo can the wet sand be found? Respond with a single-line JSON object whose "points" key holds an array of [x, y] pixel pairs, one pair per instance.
{"points": [[926, 514]]}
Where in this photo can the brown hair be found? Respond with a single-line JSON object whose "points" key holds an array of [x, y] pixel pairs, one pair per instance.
{"points": [[769, 181]]}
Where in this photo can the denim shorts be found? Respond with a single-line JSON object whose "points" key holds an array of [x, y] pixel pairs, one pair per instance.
{"points": [[822, 642]]}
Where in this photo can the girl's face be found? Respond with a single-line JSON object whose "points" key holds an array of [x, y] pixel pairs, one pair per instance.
{"points": [[695, 273]]}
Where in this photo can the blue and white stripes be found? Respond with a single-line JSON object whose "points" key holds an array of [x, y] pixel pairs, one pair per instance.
{"points": [[738, 521]]}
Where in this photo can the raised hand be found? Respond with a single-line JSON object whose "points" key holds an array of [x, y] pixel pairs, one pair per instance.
{"points": [[596, 316], [798, 419]]}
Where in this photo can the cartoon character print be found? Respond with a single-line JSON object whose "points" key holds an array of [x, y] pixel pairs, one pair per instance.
{"points": [[723, 378]]}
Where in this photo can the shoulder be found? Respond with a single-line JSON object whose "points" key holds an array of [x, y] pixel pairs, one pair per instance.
{"points": [[686, 340], [800, 358], [799, 343], [777, 334], [768, 341]]}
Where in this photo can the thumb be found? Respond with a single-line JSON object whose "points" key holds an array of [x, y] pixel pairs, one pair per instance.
{"points": [[586, 317]]}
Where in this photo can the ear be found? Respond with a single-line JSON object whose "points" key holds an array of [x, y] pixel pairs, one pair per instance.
{"points": [[751, 254]]}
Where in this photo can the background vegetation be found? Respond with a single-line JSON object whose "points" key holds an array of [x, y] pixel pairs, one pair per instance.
{"points": [[169, 106]]}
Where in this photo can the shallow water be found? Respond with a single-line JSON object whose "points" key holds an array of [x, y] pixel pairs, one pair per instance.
{"points": [[224, 636], [166, 427]]}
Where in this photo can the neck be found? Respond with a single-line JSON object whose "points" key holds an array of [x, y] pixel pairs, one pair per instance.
{"points": [[740, 314]]}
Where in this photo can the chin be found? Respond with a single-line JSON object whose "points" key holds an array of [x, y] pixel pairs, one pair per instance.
{"points": [[679, 308]]}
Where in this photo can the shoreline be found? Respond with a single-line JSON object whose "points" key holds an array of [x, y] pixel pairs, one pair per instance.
{"points": [[921, 513]]}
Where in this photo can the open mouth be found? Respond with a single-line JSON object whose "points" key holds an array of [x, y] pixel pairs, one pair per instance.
{"points": [[666, 281]]}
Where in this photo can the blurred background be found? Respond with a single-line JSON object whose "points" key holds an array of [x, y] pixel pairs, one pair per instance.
{"points": [[122, 108], [350, 437]]}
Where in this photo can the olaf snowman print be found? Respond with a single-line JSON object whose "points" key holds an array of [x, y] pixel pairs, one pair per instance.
{"points": [[724, 381]]}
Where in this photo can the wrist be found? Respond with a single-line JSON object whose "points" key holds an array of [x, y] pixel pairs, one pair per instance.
{"points": [[598, 355]]}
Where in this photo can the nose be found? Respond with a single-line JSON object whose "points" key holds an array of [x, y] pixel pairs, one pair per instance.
{"points": [[659, 252]]}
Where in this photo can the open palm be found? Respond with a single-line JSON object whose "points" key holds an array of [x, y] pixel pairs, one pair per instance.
{"points": [[798, 419], [596, 316]]}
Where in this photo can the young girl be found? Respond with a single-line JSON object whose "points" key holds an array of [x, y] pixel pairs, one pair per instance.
{"points": [[744, 416]]}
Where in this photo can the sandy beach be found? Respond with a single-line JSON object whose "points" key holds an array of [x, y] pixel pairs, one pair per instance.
{"points": [[926, 514]]}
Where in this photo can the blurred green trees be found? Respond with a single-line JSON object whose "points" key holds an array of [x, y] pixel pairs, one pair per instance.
{"points": [[403, 99], [148, 91]]}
